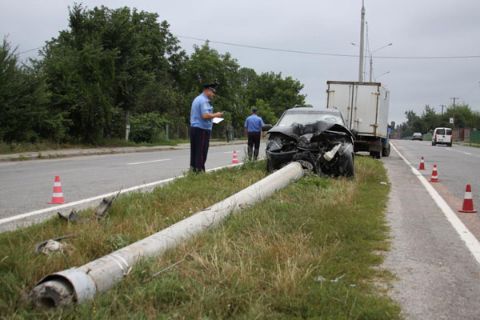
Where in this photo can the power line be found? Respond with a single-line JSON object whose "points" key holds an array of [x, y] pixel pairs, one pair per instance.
{"points": [[316, 53], [29, 50], [271, 49]]}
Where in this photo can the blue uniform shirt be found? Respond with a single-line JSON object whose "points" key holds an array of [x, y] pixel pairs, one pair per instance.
{"points": [[254, 123], [201, 105]]}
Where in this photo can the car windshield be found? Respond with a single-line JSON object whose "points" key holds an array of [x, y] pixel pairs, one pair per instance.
{"points": [[305, 118]]}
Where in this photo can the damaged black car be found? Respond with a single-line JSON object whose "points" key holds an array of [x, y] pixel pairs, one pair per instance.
{"points": [[316, 138]]}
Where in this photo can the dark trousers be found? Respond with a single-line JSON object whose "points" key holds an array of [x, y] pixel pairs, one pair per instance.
{"points": [[199, 142], [253, 144]]}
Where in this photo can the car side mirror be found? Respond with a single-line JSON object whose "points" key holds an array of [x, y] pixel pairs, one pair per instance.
{"points": [[266, 127], [354, 132]]}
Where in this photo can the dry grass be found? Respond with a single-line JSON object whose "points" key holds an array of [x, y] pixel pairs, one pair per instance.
{"points": [[310, 251]]}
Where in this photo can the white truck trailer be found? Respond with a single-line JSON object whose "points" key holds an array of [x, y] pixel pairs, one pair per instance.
{"points": [[364, 106]]}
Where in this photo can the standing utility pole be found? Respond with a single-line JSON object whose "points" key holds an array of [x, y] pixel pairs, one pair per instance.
{"points": [[362, 32], [454, 99], [371, 67]]}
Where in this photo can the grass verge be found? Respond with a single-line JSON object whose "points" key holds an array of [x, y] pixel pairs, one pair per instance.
{"points": [[310, 251], [109, 143]]}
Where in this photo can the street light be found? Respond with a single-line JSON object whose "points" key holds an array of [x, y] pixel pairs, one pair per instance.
{"points": [[371, 57], [381, 75]]}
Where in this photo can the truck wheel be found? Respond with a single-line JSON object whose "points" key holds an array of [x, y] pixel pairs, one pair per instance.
{"points": [[386, 151], [376, 154]]}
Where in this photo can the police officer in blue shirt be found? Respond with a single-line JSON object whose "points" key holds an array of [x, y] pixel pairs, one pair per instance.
{"points": [[201, 117], [253, 127]]}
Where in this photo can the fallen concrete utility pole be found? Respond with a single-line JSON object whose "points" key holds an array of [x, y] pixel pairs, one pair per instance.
{"points": [[77, 285]]}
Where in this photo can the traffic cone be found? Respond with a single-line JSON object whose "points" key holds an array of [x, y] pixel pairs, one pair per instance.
{"points": [[57, 197], [434, 177], [422, 165], [234, 157], [468, 201]]}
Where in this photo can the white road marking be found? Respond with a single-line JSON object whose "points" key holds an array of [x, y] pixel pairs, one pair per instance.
{"points": [[470, 241], [83, 201], [144, 162]]}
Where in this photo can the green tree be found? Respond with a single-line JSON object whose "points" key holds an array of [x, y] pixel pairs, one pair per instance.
{"points": [[23, 102], [463, 116], [266, 112], [207, 65], [110, 65], [240, 88], [110, 60], [279, 93], [430, 119]]}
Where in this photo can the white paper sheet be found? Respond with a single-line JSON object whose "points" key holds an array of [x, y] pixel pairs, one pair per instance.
{"points": [[217, 120]]}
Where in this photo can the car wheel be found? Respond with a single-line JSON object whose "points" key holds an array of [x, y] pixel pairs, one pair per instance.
{"points": [[433, 143], [450, 144], [270, 167], [349, 165]]}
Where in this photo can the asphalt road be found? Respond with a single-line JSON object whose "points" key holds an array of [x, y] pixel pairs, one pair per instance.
{"points": [[438, 277], [456, 166], [27, 185]]}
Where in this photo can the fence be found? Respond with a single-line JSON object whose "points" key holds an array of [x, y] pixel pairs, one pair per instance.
{"points": [[475, 137], [467, 135]]}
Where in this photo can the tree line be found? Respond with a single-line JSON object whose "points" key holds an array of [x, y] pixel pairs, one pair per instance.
{"points": [[116, 67], [461, 114]]}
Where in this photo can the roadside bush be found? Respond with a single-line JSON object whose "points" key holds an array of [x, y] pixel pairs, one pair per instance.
{"points": [[147, 127]]}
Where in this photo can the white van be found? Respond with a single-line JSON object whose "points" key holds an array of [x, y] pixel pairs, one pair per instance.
{"points": [[442, 136]]}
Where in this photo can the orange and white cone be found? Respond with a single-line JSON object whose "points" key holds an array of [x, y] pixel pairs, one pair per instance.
{"points": [[57, 196], [234, 157], [422, 164], [468, 201], [434, 177]]}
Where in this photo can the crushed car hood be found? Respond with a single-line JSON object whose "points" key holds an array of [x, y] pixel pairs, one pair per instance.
{"points": [[324, 147], [297, 130]]}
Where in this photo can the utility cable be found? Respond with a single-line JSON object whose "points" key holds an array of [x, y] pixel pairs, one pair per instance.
{"points": [[29, 50], [316, 53], [233, 44]]}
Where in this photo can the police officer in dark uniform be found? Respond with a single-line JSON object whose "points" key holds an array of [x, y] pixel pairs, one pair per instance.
{"points": [[201, 116]]}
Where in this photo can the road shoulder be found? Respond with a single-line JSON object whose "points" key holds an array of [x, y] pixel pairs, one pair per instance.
{"points": [[437, 277], [64, 153]]}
